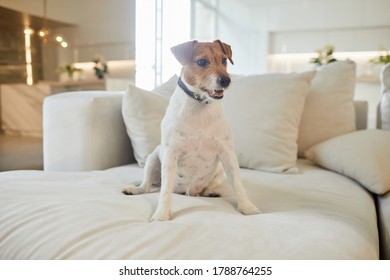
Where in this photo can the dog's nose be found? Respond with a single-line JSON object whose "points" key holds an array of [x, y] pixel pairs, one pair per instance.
{"points": [[224, 81]]}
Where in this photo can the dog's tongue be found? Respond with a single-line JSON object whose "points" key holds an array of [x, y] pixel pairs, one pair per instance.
{"points": [[217, 93]]}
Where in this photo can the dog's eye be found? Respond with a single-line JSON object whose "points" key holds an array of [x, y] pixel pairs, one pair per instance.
{"points": [[202, 62], [224, 60]]}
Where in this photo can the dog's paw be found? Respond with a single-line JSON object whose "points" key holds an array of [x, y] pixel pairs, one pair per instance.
{"points": [[133, 190], [248, 209], [160, 216]]}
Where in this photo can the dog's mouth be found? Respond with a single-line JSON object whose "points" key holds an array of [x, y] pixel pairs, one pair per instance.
{"points": [[216, 94]]}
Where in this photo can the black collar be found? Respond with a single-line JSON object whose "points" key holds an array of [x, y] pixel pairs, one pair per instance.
{"points": [[197, 97]]}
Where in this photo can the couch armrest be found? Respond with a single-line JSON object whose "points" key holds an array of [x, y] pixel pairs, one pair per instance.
{"points": [[361, 111], [84, 131]]}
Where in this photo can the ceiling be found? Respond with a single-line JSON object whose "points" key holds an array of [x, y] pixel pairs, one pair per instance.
{"points": [[11, 20]]}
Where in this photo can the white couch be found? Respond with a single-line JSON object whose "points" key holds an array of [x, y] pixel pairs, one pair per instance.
{"points": [[74, 209]]}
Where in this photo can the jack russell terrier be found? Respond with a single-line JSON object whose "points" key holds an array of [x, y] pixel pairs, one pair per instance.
{"points": [[196, 149]]}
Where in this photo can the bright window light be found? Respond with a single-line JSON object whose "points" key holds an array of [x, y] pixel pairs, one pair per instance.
{"points": [[176, 30], [160, 24], [145, 41]]}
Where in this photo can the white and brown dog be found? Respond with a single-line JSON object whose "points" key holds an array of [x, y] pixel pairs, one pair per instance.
{"points": [[196, 141]]}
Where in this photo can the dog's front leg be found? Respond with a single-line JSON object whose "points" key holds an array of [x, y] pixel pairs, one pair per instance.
{"points": [[232, 170], [151, 174], [168, 173]]}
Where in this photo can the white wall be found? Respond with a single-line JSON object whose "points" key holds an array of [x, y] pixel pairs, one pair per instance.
{"points": [[254, 28], [282, 36], [104, 27], [56, 9], [244, 30], [350, 25], [257, 28]]}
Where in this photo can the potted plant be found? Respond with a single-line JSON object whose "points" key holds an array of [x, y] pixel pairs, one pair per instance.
{"points": [[325, 56], [382, 58], [69, 69], [100, 67]]}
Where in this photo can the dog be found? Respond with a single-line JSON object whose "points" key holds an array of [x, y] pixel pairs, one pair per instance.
{"points": [[196, 149]]}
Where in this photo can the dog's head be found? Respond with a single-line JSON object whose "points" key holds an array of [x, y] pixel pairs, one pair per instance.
{"points": [[205, 67]]}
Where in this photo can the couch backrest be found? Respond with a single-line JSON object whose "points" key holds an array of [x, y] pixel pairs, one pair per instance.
{"points": [[84, 131]]}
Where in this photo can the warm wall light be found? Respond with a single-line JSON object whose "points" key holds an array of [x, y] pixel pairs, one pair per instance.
{"points": [[28, 31], [44, 32], [27, 48], [41, 33], [293, 62]]}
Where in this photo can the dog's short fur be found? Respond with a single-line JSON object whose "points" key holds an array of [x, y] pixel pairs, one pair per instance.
{"points": [[196, 141]]}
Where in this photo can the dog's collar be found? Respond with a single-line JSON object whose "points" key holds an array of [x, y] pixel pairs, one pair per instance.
{"points": [[197, 97]]}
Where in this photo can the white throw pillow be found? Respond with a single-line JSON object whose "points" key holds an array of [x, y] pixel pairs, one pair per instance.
{"points": [[361, 155], [329, 109], [143, 112], [264, 112]]}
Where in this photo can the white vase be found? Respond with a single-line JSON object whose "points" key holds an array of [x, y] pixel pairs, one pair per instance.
{"points": [[384, 106]]}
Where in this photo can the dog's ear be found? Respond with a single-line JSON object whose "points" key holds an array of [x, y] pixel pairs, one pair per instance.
{"points": [[184, 52], [226, 50]]}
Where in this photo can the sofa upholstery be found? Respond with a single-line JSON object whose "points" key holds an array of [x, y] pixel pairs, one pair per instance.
{"points": [[74, 209], [95, 150], [383, 202], [95, 136], [83, 215], [383, 207]]}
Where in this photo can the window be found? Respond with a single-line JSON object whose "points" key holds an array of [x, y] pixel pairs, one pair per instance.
{"points": [[204, 24], [160, 24]]}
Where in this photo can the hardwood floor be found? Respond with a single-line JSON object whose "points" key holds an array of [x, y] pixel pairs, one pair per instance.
{"points": [[20, 153]]}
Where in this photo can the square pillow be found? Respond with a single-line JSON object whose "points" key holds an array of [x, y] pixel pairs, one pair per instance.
{"points": [[329, 109], [361, 155], [143, 112], [264, 112]]}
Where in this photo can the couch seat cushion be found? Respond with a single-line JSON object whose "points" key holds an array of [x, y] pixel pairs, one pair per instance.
{"points": [[317, 214]]}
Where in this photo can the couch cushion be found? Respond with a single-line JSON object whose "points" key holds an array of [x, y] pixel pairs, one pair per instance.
{"points": [[329, 109], [143, 112], [362, 155], [264, 112], [83, 215], [280, 110]]}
